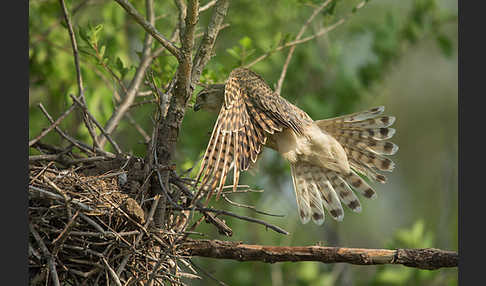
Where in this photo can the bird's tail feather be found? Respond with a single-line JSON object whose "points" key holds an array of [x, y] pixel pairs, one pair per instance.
{"points": [[314, 190], [363, 136]]}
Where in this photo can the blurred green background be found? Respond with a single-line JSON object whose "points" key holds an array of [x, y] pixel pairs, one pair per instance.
{"points": [[401, 54]]}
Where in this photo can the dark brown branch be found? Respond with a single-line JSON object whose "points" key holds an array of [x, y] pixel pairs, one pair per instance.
{"points": [[220, 224], [82, 146], [85, 109], [52, 126], [150, 28], [423, 258]]}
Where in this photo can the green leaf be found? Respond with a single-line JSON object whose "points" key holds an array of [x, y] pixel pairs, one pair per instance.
{"points": [[235, 52], [102, 51], [445, 45], [245, 42]]}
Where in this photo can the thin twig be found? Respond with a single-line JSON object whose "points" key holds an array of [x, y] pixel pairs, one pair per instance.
{"points": [[207, 6], [79, 77], [248, 207], [220, 224], [297, 42], [278, 89], [52, 126], [110, 270], [150, 28], [208, 274], [82, 146], [250, 219], [137, 80], [50, 259], [85, 109]]}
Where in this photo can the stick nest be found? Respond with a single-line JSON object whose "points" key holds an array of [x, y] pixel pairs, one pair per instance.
{"points": [[92, 229]]}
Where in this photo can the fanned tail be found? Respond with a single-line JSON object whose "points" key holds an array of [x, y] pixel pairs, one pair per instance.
{"points": [[313, 191], [363, 136]]}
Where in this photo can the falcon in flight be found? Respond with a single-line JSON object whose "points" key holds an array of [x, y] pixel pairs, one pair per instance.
{"points": [[325, 156]]}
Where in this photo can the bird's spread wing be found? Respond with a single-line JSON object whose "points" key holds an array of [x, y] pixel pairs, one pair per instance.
{"points": [[251, 111]]}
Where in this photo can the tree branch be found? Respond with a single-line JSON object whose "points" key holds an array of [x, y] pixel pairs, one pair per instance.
{"points": [[423, 258], [278, 89], [79, 77], [150, 29], [203, 54], [132, 91], [181, 92]]}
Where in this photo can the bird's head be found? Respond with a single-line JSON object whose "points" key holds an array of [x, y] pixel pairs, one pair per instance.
{"points": [[211, 98]]}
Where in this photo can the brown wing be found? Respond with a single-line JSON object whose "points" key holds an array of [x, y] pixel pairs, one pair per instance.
{"points": [[251, 111]]}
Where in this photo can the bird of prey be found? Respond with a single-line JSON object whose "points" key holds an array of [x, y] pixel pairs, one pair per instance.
{"points": [[325, 156]]}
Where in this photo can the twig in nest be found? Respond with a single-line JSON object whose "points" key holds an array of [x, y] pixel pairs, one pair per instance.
{"points": [[110, 270], [59, 240], [47, 255]]}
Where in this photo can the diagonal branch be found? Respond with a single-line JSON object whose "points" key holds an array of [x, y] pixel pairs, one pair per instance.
{"points": [[296, 42], [132, 91], [423, 258], [150, 29], [79, 77], [52, 126], [203, 54], [319, 33], [292, 49]]}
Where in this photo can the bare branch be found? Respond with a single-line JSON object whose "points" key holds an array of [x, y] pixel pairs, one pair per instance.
{"points": [[150, 28], [423, 258], [250, 219], [321, 32], [79, 77], [278, 89], [82, 146], [132, 91], [112, 272], [203, 54], [85, 109], [207, 6], [220, 224], [52, 126]]}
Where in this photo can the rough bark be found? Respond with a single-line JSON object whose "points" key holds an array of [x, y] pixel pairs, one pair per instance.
{"points": [[423, 258]]}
